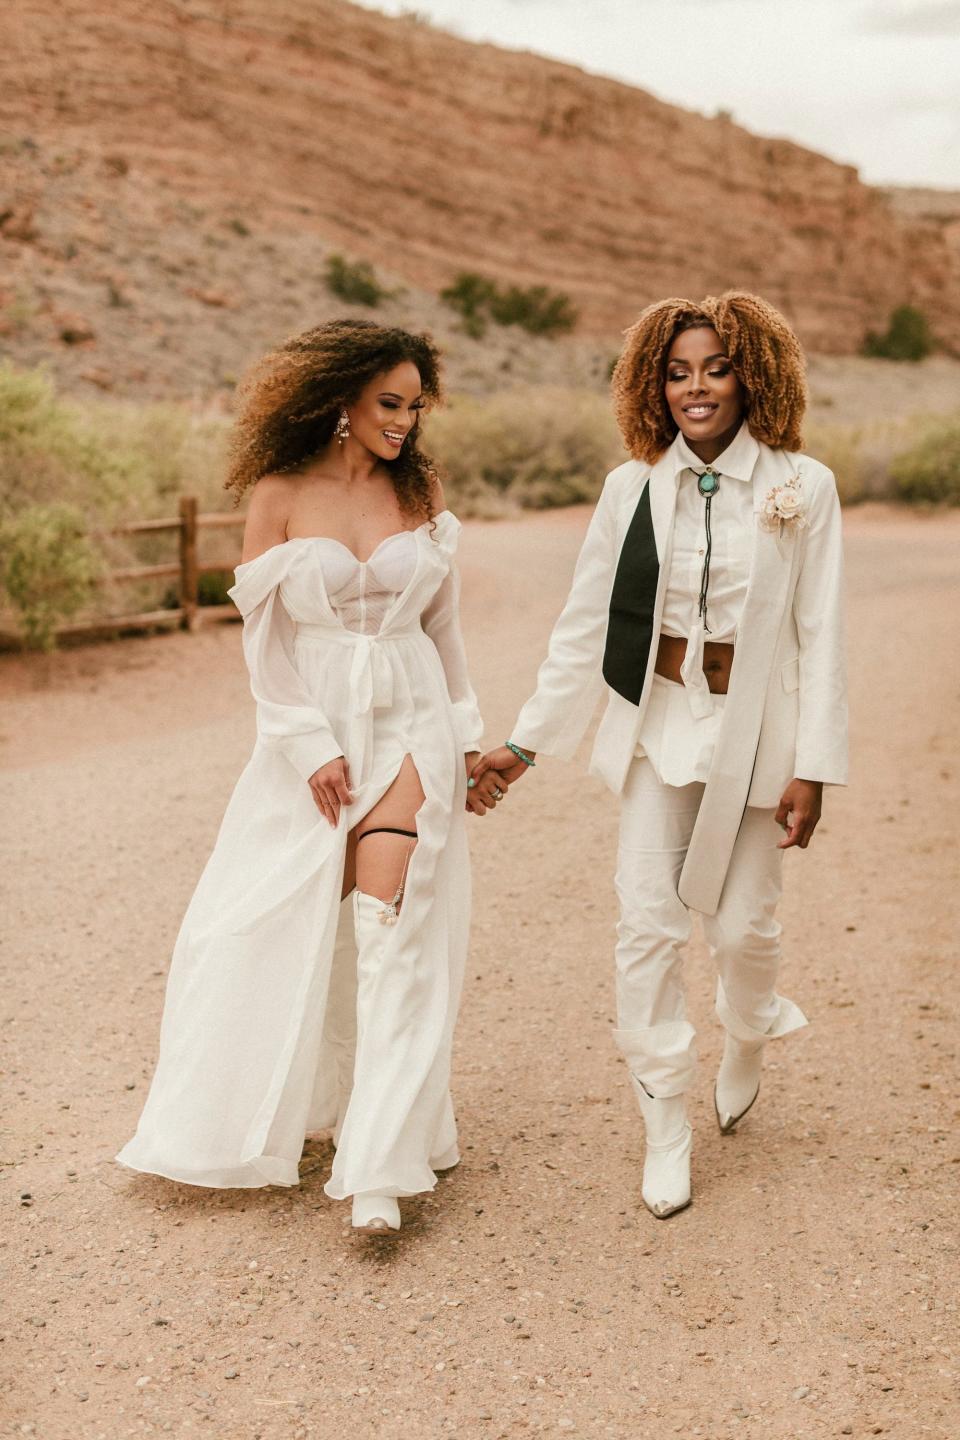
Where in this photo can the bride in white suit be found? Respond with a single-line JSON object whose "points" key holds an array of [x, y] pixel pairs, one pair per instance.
{"points": [[275, 1021], [707, 607]]}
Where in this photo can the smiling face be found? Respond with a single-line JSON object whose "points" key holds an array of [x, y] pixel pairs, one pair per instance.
{"points": [[386, 410], [703, 394]]}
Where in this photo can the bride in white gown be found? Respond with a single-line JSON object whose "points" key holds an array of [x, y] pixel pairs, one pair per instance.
{"points": [[277, 1020]]}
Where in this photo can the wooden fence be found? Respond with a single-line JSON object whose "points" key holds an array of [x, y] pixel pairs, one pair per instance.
{"points": [[187, 569]]}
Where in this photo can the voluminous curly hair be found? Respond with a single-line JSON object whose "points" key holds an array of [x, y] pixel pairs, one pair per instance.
{"points": [[291, 400], [762, 348]]}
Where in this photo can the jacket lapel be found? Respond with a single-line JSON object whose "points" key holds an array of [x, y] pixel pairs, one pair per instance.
{"points": [[728, 784], [644, 556]]}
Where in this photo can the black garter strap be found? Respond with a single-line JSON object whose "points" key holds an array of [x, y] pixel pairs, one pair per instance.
{"points": [[387, 830]]}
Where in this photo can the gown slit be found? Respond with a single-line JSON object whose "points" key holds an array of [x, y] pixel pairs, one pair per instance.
{"points": [[244, 1070]]}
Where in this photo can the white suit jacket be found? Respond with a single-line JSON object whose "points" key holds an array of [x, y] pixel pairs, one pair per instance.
{"points": [[786, 710]]}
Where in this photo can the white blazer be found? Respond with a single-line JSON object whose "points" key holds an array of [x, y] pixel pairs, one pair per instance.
{"points": [[785, 715]]}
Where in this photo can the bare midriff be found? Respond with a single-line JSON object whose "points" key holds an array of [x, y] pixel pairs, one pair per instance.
{"points": [[717, 662]]}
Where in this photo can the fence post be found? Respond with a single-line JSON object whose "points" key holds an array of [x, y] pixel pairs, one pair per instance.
{"points": [[189, 573]]}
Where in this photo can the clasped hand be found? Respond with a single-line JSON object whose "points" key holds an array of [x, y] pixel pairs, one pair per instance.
{"points": [[491, 776]]}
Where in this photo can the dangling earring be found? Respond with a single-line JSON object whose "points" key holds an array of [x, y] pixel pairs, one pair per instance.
{"points": [[342, 431]]}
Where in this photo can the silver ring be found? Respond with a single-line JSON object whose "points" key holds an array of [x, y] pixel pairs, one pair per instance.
{"points": [[497, 793]]}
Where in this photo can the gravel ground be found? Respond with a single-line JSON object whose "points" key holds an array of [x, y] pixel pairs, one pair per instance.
{"points": [[811, 1290]]}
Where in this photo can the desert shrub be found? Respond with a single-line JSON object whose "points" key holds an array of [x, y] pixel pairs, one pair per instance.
{"points": [[929, 470], [470, 294], [536, 309], [48, 452], [915, 459], [105, 461], [48, 568], [354, 281], [111, 460], [532, 448], [907, 336], [212, 587], [860, 456], [166, 450]]}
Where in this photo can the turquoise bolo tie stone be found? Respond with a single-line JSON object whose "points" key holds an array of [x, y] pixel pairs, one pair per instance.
{"points": [[708, 483]]}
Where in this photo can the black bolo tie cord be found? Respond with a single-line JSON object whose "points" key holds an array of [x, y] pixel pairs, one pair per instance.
{"points": [[708, 485]]}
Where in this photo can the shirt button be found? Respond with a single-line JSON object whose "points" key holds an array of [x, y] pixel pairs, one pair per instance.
{"points": [[699, 552]]}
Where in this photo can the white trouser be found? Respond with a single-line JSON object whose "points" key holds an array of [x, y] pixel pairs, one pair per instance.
{"points": [[744, 936]]}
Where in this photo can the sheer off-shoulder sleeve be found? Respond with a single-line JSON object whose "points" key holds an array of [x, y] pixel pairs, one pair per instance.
{"points": [[288, 719], [441, 621]]}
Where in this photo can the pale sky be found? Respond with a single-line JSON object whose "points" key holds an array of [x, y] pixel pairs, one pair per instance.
{"points": [[875, 83]]}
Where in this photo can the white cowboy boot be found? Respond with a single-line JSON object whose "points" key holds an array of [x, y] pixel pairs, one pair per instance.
{"points": [[340, 1020], [372, 1214], [666, 1168], [738, 1081]]}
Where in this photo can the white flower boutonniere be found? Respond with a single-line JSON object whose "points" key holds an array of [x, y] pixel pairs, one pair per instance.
{"points": [[782, 509]]}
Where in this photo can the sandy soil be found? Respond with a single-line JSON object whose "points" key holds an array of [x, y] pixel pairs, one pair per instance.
{"points": [[811, 1290]]}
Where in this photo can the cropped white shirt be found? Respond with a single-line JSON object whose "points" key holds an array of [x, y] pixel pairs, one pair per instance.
{"points": [[681, 722], [732, 525]]}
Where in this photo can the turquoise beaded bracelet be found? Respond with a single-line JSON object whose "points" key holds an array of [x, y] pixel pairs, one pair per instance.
{"points": [[520, 754]]}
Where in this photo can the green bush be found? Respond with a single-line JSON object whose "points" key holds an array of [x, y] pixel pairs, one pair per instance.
{"points": [[916, 459], [48, 568], [470, 294], [112, 460], [107, 461], [929, 471], [907, 336], [536, 309], [212, 587], [529, 448], [354, 281]]}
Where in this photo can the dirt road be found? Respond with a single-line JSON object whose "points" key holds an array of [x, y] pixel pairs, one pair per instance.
{"points": [[811, 1290]]}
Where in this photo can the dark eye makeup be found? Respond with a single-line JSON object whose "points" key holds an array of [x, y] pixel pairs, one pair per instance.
{"points": [[718, 372]]}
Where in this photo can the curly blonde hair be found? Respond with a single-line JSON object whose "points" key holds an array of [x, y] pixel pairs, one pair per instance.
{"points": [[290, 402], [762, 348]]}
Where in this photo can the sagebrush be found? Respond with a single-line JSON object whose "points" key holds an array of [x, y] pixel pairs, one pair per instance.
{"points": [[355, 281], [535, 308], [907, 336], [929, 469], [48, 568]]}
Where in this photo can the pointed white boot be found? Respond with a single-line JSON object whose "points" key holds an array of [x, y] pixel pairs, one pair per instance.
{"points": [[666, 1168], [738, 1081], [372, 1214]]}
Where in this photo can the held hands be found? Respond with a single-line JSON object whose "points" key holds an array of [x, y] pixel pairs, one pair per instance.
{"points": [[491, 776], [485, 788], [799, 812], [330, 787], [504, 762]]}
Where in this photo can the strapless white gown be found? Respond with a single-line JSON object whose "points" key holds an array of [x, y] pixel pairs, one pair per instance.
{"points": [[367, 661]]}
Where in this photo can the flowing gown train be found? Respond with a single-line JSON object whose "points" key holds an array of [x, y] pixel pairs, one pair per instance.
{"points": [[246, 1066]]}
